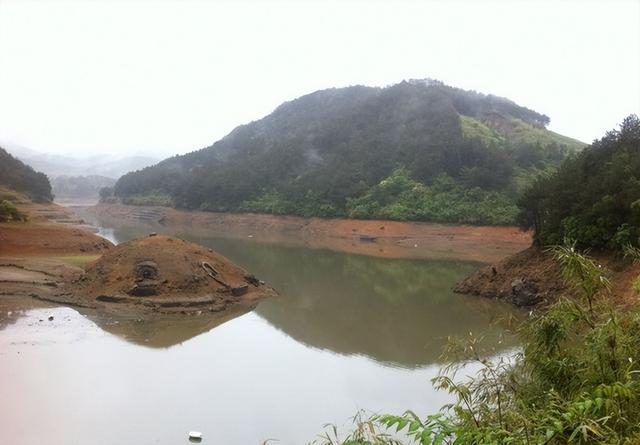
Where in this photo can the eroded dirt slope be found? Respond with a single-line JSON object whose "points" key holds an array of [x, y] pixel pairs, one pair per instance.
{"points": [[532, 277]]}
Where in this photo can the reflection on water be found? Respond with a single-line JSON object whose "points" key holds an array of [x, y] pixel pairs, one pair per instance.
{"points": [[162, 332], [347, 332], [395, 311]]}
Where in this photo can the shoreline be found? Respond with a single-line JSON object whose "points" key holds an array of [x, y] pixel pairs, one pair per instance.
{"points": [[380, 238], [40, 255]]}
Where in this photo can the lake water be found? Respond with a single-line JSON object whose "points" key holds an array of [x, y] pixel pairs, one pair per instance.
{"points": [[347, 332]]}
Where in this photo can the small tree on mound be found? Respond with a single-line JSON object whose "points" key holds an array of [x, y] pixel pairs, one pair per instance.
{"points": [[9, 212]]}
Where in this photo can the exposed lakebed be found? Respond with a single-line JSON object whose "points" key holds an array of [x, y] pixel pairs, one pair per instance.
{"points": [[347, 332]]}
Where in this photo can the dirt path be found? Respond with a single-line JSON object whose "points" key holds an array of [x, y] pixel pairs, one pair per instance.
{"points": [[391, 239]]}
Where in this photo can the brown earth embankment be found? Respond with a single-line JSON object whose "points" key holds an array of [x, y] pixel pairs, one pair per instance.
{"points": [[147, 277], [50, 229], [532, 277], [390, 239], [37, 256]]}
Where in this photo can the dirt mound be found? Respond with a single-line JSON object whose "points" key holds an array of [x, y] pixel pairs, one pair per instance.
{"points": [[527, 278], [163, 274], [533, 277]]}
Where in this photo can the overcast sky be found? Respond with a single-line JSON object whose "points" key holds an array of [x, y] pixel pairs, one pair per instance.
{"points": [[170, 77]]}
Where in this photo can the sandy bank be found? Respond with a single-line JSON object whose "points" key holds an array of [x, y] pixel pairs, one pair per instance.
{"points": [[390, 239]]}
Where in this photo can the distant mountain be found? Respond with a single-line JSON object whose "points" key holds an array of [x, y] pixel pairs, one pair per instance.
{"points": [[417, 150], [14, 174], [79, 187], [54, 165]]}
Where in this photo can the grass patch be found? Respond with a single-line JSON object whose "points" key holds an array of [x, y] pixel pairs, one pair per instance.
{"points": [[77, 260], [474, 129], [524, 133]]}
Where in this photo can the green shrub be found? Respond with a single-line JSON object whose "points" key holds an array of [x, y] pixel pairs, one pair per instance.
{"points": [[155, 199], [9, 212], [398, 197], [268, 202]]}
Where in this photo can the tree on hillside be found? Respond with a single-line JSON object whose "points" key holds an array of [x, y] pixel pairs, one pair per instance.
{"points": [[18, 176], [594, 197]]}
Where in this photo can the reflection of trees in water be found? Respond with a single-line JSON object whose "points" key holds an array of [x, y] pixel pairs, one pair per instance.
{"points": [[394, 311]]}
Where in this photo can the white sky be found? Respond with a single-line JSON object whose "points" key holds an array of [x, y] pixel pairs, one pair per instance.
{"points": [[167, 77]]}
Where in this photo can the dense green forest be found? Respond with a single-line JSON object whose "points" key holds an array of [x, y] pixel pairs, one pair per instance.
{"points": [[417, 150], [594, 197], [18, 176]]}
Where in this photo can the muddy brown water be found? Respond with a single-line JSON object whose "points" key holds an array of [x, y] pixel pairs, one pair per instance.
{"points": [[348, 332]]}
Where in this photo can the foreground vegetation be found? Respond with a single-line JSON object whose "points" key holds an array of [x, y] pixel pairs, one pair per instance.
{"points": [[418, 150], [575, 381]]}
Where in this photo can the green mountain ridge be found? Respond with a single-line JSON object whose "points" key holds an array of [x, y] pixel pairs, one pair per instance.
{"points": [[452, 155]]}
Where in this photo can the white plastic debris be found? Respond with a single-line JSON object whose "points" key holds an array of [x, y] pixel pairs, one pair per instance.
{"points": [[195, 435]]}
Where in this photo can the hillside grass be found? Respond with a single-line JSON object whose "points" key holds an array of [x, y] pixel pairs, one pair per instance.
{"points": [[525, 133], [474, 129]]}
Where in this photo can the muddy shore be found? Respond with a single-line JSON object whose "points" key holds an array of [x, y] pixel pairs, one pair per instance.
{"points": [[51, 230], [52, 254], [389, 239], [532, 278], [40, 255]]}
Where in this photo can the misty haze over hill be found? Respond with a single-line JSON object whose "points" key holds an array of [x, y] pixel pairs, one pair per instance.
{"points": [[107, 165], [77, 178]]}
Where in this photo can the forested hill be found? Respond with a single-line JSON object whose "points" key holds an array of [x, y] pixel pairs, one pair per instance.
{"points": [[18, 176], [417, 150], [594, 198]]}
